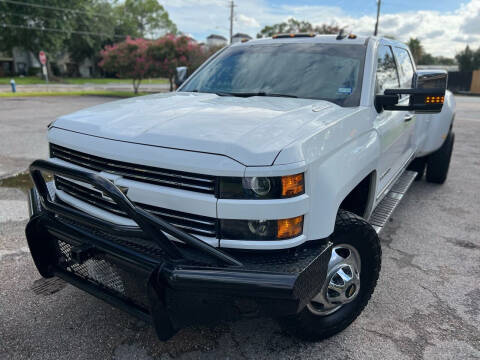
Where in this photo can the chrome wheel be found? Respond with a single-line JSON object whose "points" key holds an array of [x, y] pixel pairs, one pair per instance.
{"points": [[342, 283]]}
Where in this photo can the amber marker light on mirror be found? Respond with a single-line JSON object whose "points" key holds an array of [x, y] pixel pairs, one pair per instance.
{"points": [[434, 99], [293, 185], [289, 228]]}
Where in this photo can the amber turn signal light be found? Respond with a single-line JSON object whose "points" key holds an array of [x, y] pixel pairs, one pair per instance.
{"points": [[289, 228], [293, 185], [434, 99]]}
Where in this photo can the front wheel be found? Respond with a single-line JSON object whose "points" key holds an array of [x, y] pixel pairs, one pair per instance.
{"points": [[352, 275]]}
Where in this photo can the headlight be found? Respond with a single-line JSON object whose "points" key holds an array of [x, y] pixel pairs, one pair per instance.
{"points": [[261, 186], [261, 229], [278, 187]]}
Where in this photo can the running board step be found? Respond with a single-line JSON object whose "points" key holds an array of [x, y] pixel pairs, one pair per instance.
{"points": [[389, 203]]}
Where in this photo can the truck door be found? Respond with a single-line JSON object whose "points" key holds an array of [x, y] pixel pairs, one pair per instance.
{"points": [[415, 127], [406, 71], [394, 127]]}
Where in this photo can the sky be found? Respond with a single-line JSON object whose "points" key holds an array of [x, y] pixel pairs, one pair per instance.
{"points": [[443, 26]]}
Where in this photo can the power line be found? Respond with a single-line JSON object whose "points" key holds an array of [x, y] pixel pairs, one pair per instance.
{"points": [[49, 7], [47, 17], [26, 15], [59, 30]]}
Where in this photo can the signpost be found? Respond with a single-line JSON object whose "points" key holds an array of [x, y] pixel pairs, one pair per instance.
{"points": [[43, 60]]}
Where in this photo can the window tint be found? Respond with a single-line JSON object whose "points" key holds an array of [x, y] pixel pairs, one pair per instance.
{"points": [[387, 76], [405, 67]]}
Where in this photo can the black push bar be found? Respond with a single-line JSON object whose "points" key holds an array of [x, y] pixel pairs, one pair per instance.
{"points": [[150, 226]]}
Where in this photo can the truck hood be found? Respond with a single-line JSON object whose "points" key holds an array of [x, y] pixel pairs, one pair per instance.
{"points": [[250, 130]]}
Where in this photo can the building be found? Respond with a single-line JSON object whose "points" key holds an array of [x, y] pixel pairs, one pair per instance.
{"points": [[6, 64], [22, 62], [18, 62], [239, 37], [216, 40], [65, 66]]}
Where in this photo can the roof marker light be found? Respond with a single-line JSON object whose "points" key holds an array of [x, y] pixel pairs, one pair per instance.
{"points": [[293, 35]]}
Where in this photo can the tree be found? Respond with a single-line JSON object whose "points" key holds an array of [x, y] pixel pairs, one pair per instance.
{"points": [[81, 27], [128, 59], [96, 29], [421, 57], [468, 60], [441, 60], [416, 49], [327, 29], [140, 18], [426, 59], [140, 58], [107, 23], [36, 28], [170, 52], [295, 26]]}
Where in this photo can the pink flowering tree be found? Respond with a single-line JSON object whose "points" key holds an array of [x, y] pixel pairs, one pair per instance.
{"points": [[168, 52], [128, 59]]}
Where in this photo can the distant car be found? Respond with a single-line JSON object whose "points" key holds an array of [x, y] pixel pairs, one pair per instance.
{"points": [[258, 188]]}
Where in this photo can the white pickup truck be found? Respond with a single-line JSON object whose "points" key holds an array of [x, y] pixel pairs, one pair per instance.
{"points": [[258, 188]]}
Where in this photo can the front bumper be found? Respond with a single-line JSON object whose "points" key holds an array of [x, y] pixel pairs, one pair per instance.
{"points": [[168, 284]]}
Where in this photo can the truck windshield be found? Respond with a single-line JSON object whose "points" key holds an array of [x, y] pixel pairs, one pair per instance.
{"points": [[310, 71]]}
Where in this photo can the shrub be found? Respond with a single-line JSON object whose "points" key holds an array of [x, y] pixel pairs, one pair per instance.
{"points": [[128, 59]]}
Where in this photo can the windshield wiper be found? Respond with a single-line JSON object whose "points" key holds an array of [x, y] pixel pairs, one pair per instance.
{"points": [[247, 94], [260, 93], [219, 93]]}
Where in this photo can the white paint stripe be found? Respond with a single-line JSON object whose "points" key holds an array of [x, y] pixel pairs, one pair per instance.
{"points": [[13, 210]]}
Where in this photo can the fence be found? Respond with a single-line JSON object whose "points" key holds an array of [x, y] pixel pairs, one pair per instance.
{"points": [[475, 87], [459, 81]]}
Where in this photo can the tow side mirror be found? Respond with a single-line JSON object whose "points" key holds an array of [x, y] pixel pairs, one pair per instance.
{"points": [[427, 95], [180, 75]]}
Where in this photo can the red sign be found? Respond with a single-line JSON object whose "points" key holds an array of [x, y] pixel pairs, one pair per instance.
{"points": [[42, 57]]}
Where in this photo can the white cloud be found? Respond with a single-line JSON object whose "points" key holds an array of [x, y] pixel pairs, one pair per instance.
{"points": [[441, 33], [247, 21]]}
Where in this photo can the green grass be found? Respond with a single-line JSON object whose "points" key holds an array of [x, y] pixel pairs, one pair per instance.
{"points": [[27, 80], [81, 81], [122, 94], [32, 80]]}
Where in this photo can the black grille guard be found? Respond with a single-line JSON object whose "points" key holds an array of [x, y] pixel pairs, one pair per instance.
{"points": [[186, 284], [150, 226]]}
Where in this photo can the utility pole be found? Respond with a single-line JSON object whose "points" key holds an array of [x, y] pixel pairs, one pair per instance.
{"points": [[379, 3], [232, 5]]}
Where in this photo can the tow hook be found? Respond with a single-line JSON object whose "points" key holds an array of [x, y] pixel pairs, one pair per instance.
{"points": [[80, 254]]}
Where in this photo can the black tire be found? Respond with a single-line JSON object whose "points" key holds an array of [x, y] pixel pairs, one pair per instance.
{"points": [[438, 163], [418, 165], [352, 230]]}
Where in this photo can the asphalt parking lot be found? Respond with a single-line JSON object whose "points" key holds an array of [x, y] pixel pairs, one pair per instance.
{"points": [[426, 305]]}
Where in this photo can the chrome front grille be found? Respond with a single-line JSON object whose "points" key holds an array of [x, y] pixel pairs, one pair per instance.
{"points": [[194, 224], [163, 177]]}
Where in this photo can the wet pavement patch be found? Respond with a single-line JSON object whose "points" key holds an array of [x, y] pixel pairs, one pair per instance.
{"points": [[20, 181]]}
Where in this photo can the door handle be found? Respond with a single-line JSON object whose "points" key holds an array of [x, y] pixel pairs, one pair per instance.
{"points": [[408, 117]]}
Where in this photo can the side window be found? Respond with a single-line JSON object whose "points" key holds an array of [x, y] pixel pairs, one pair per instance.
{"points": [[387, 75], [405, 67]]}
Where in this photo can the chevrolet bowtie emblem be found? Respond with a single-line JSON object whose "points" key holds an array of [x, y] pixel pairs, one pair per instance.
{"points": [[123, 189]]}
